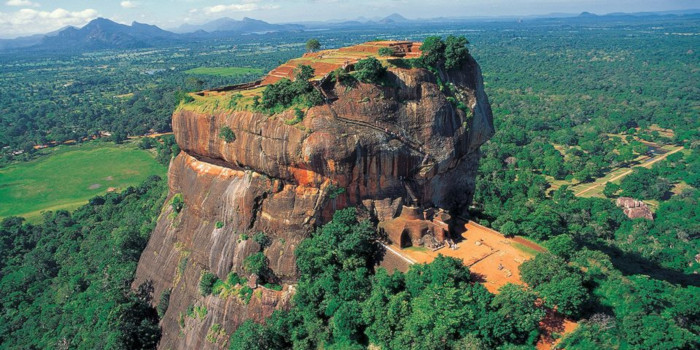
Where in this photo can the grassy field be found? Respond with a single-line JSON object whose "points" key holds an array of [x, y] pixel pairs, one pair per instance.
{"points": [[224, 71], [71, 175]]}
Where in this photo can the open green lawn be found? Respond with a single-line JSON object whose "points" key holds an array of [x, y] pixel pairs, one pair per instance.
{"points": [[71, 175], [224, 71]]}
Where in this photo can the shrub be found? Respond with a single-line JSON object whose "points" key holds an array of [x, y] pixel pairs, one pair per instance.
{"points": [[206, 283], [386, 51], [335, 191], [456, 52], [177, 203], [433, 51], [369, 70], [256, 263], [245, 293], [285, 93], [452, 52], [233, 279], [219, 224], [344, 78], [303, 72], [215, 331], [182, 96], [273, 286], [298, 117], [261, 239], [164, 302], [227, 134], [147, 143]]}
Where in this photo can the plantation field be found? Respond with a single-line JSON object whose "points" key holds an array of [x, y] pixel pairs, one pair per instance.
{"points": [[224, 71], [68, 177]]}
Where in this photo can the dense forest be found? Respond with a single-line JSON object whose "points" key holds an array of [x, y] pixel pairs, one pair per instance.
{"points": [[572, 101], [342, 303], [66, 283]]}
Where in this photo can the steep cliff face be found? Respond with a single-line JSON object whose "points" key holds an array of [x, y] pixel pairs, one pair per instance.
{"points": [[385, 146]]}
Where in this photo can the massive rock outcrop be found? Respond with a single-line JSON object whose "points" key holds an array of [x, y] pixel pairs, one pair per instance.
{"points": [[374, 147]]}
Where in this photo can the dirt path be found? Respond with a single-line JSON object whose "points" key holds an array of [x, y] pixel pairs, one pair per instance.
{"points": [[645, 164], [403, 257]]}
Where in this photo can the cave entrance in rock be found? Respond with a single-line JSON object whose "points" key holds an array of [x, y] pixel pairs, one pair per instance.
{"points": [[405, 239]]}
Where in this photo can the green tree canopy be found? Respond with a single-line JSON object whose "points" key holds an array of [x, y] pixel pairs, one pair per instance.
{"points": [[313, 45], [370, 70]]}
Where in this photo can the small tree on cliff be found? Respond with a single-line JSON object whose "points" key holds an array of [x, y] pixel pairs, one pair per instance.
{"points": [[386, 51], [433, 49], [227, 134], [452, 52], [313, 45], [370, 70], [303, 72], [456, 51]]}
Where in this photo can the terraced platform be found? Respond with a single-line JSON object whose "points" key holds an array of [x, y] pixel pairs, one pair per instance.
{"points": [[327, 61]]}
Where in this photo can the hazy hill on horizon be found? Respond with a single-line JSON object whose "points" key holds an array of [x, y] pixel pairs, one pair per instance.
{"points": [[103, 33]]}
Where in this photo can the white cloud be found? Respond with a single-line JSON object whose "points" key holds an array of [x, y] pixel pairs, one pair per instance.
{"points": [[23, 3], [246, 6], [129, 4], [30, 21]]}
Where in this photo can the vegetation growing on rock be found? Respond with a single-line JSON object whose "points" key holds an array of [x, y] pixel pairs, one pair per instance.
{"points": [[286, 93], [369, 70], [340, 302], [227, 134], [450, 53]]}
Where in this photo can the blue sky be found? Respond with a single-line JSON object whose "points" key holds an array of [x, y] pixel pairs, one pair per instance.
{"points": [[23, 17]]}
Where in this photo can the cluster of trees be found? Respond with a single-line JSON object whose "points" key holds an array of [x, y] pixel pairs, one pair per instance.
{"points": [[631, 280], [450, 53], [165, 146], [369, 70], [633, 311], [48, 99], [286, 93], [65, 283], [657, 182], [341, 303]]}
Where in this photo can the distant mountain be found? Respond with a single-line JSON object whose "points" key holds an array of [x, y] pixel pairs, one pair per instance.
{"points": [[230, 25], [17, 43], [102, 33], [27, 41], [586, 14], [394, 18]]}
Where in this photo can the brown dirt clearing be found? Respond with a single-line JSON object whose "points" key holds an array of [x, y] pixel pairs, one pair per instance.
{"points": [[494, 260]]}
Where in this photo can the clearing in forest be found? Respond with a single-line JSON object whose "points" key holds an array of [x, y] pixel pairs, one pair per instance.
{"points": [[494, 260], [69, 176]]}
